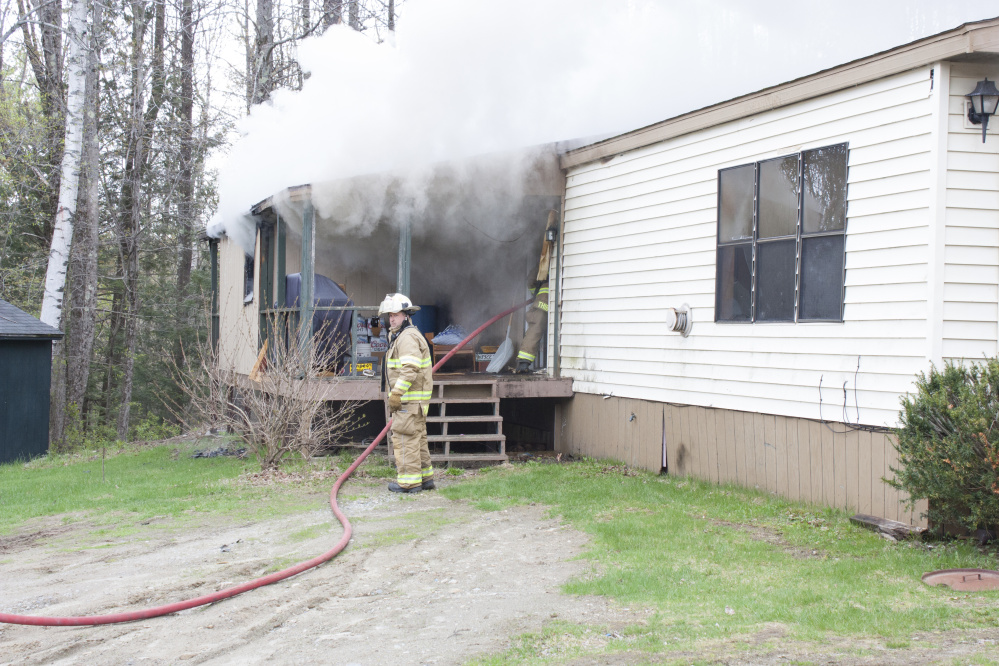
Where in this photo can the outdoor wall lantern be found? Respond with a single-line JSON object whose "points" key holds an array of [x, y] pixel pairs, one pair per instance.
{"points": [[984, 99]]}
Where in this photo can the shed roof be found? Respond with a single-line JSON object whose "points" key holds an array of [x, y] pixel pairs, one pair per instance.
{"points": [[971, 42], [16, 324]]}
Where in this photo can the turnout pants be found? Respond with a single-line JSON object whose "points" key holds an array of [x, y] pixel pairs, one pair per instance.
{"points": [[536, 320], [409, 440]]}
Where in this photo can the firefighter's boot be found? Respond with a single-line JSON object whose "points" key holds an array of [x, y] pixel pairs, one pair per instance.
{"points": [[396, 488]]}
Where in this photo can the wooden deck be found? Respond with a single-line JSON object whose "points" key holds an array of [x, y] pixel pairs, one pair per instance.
{"points": [[507, 386]]}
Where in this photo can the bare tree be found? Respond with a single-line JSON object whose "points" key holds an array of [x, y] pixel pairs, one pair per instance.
{"points": [[353, 15], [263, 59], [142, 122], [185, 205], [62, 232], [41, 29], [55, 276], [82, 315], [332, 13]]}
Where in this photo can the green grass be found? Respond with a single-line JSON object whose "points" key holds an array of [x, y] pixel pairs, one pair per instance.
{"points": [[689, 550], [139, 484]]}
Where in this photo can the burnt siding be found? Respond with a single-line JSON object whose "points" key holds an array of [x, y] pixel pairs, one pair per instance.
{"points": [[25, 375]]}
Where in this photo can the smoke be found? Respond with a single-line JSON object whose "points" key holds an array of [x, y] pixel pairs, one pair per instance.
{"points": [[383, 131]]}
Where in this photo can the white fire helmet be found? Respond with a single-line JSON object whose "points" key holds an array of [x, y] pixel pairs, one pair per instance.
{"points": [[396, 303]]}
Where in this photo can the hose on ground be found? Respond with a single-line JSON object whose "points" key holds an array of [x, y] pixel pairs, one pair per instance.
{"points": [[131, 616]]}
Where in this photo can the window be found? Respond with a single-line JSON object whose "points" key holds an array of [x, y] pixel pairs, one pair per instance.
{"points": [[248, 280], [781, 229]]}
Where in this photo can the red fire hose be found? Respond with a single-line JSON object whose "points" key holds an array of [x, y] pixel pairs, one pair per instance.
{"points": [[115, 618]]}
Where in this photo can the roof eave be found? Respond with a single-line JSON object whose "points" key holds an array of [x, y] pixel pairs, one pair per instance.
{"points": [[981, 37]]}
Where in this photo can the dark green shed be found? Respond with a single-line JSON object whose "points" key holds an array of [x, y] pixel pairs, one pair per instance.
{"points": [[25, 376]]}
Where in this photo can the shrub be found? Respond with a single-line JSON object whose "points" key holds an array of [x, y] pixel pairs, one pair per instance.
{"points": [[281, 408], [79, 436], [948, 445]]}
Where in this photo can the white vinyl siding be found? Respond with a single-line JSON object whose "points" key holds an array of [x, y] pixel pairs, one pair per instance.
{"points": [[971, 253], [640, 237]]}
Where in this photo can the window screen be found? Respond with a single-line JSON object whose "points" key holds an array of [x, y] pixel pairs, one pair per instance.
{"points": [[775, 281]]}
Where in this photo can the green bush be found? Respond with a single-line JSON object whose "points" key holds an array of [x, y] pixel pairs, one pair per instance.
{"points": [[948, 445], [79, 437], [152, 428]]}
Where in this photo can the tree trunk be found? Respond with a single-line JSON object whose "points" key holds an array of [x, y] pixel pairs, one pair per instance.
{"points": [[263, 61], [332, 13], [391, 15], [353, 16], [83, 255], [55, 275], [62, 232], [185, 205], [133, 208]]}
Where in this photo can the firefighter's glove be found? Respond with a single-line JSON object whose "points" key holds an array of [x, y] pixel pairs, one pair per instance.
{"points": [[395, 402]]}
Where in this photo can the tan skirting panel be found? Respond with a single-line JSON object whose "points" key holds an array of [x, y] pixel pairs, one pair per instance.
{"points": [[823, 463]]}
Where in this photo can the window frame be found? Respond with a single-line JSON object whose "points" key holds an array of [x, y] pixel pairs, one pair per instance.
{"points": [[800, 236]]}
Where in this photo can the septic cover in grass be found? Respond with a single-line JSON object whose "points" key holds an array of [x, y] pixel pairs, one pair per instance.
{"points": [[964, 580]]}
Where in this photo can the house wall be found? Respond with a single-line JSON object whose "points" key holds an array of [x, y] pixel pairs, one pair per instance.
{"points": [[239, 323], [971, 240], [800, 459], [640, 237]]}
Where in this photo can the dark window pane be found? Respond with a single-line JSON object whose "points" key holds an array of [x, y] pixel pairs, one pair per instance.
{"points": [[775, 281], [735, 207], [822, 278], [733, 290], [247, 277], [825, 188], [778, 214]]}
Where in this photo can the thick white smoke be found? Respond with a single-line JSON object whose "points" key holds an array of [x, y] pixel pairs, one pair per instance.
{"points": [[467, 77]]}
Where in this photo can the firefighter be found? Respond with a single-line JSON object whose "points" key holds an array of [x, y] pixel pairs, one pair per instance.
{"points": [[537, 317], [408, 381]]}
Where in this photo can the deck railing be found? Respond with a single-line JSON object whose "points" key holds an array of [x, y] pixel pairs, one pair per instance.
{"points": [[283, 326]]}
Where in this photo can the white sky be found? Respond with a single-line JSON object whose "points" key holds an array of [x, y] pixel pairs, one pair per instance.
{"points": [[468, 76]]}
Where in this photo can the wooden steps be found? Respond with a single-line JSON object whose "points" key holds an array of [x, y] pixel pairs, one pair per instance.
{"points": [[476, 446], [464, 419], [465, 422]]}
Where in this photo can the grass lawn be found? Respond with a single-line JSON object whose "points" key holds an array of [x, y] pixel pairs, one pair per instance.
{"points": [[719, 563], [714, 566], [139, 483]]}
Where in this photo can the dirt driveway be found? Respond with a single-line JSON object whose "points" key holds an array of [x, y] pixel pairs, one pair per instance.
{"points": [[424, 581]]}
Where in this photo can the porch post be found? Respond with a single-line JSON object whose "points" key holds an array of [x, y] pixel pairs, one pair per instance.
{"points": [[306, 300], [405, 252], [279, 225], [213, 248]]}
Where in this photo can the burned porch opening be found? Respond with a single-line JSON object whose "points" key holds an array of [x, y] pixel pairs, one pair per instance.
{"points": [[463, 241]]}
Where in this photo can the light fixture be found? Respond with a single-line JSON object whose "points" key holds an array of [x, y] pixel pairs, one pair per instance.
{"points": [[551, 234], [984, 99]]}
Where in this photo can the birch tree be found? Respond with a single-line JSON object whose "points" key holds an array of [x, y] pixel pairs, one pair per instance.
{"points": [[86, 236], [69, 179]]}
